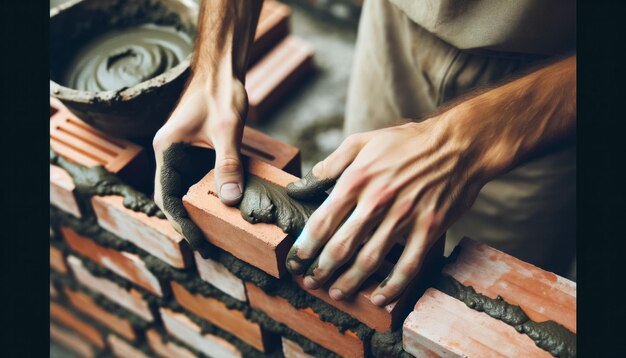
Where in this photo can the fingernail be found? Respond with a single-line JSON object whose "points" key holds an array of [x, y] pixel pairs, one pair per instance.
{"points": [[310, 283], [336, 294], [378, 300], [230, 191]]}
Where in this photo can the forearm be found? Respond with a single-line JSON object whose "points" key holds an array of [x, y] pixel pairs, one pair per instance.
{"points": [[225, 34], [510, 124]]}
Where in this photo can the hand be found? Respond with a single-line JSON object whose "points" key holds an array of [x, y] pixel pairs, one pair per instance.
{"points": [[415, 180], [205, 117]]}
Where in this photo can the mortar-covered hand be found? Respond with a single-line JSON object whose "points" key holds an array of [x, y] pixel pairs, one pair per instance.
{"points": [[204, 117], [414, 180]]}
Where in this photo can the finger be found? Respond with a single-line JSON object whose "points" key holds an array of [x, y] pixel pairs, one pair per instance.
{"points": [[226, 138], [170, 187], [373, 253], [324, 174], [344, 243], [410, 262], [323, 223]]}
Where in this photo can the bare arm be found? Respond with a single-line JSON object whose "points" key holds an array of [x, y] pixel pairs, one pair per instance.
{"points": [[210, 113], [419, 178]]}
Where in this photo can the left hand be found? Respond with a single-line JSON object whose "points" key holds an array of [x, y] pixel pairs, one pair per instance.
{"points": [[415, 180]]}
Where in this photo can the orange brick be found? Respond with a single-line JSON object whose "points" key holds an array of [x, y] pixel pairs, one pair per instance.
{"points": [[273, 25], [446, 327], [127, 265], [123, 349], [541, 294], [262, 245], [154, 235], [62, 191], [216, 312], [220, 277], [131, 299], [57, 261], [166, 349], [68, 319], [256, 144], [72, 341], [307, 323], [291, 349], [88, 306], [181, 327], [361, 307], [77, 141], [270, 78]]}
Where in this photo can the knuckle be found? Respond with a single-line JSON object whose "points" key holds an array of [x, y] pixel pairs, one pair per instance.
{"points": [[353, 140], [368, 263], [409, 270], [228, 165], [338, 251]]}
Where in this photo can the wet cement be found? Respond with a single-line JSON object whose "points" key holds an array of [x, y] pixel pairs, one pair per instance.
{"points": [[126, 57], [549, 335]]}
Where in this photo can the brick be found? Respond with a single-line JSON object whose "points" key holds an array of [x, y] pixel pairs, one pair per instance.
{"points": [[262, 245], [70, 320], [125, 264], [183, 328], [77, 141], [88, 306], [258, 145], [307, 323], [292, 349], [123, 349], [392, 315], [72, 341], [131, 299], [270, 78], [166, 349], [62, 191], [216, 312], [273, 25], [446, 327], [220, 277], [57, 261], [154, 235], [541, 294]]}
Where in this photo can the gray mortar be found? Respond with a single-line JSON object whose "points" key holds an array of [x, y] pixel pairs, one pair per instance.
{"points": [[134, 112]]}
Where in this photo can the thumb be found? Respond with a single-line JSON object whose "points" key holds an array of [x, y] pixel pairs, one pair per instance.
{"points": [[228, 168]]}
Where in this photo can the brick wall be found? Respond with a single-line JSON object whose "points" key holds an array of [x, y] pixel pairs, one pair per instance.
{"points": [[124, 283]]}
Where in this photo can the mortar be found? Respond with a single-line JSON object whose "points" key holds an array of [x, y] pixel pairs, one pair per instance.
{"points": [[136, 110]]}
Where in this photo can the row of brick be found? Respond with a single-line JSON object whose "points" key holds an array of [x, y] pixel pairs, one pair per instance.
{"points": [[441, 325]]}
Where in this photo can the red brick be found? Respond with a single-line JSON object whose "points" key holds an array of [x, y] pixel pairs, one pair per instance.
{"points": [[154, 235], [88, 306], [57, 261], [123, 349], [307, 323], [131, 299], [220, 277], [291, 349], [166, 349], [541, 294], [216, 312], [269, 79], [361, 307], [70, 320], [258, 145], [125, 264], [262, 245], [72, 341], [446, 327], [181, 327], [273, 25], [62, 191], [77, 141]]}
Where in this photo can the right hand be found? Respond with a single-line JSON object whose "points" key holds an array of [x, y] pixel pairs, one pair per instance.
{"points": [[204, 117]]}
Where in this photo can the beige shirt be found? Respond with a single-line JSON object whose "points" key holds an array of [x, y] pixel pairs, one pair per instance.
{"points": [[543, 27]]}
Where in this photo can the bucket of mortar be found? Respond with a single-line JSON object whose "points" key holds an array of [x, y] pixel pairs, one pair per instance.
{"points": [[135, 110]]}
